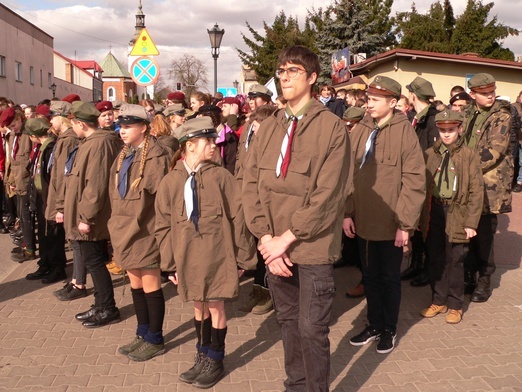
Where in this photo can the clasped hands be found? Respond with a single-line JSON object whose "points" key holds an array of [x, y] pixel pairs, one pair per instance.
{"points": [[273, 250]]}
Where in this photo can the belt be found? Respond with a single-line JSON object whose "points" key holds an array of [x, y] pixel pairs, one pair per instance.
{"points": [[441, 202]]}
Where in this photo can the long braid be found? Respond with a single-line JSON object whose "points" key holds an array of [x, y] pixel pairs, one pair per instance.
{"points": [[144, 151], [120, 161], [177, 155]]}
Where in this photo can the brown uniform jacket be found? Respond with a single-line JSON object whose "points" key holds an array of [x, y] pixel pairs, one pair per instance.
{"points": [[65, 143], [389, 190], [87, 196], [18, 170], [206, 261], [310, 200], [132, 219], [467, 200], [496, 159], [242, 153]]}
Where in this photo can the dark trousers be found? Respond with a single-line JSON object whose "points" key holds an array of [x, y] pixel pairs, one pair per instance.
{"points": [[480, 257], [55, 245], [260, 275], [303, 306], [446, 264], [381, 268], [79, 270], [92, 254], [26, 221]]}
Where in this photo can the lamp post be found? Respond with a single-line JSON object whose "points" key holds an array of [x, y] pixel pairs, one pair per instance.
{"points": [[53, 89], [215, 35], [235, 83]]}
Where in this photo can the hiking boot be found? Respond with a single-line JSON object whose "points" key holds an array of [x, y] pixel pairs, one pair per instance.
{"points": [[386, 342], [264, 305], [356, 292], [213, 370], [454, 316], [70, 292], [254, 299], [26, 255], [114, 268], [130, 347], [56, 275], [146, 351], [483, 290], [190, 375], [38, 274], [433, 310], [517, 188], [368, 335]]}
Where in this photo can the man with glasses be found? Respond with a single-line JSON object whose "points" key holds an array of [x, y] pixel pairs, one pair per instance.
{"points": [[487, 128], [296, 181]]}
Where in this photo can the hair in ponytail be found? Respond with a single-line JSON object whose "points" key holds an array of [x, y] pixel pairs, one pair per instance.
{"points": [[143, 158], [177, 155]]}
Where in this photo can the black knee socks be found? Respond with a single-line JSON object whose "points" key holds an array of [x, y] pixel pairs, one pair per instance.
{"points": [[218, 339], [204, 334], [140, 306], [156, 307]]}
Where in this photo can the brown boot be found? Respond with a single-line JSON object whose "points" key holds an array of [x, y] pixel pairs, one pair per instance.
{"points": [[454, 316], [114, 268], [264, 305], [356, 292], [433, 310], [254, 299]]}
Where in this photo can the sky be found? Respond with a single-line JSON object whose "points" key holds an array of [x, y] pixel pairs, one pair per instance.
{"points": [[88, 29]]}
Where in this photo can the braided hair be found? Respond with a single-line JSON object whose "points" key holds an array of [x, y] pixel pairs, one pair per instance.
{"points": [[143, 157]]}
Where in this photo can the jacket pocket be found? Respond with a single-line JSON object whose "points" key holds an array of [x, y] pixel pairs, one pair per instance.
{"points": [[320, 308]]}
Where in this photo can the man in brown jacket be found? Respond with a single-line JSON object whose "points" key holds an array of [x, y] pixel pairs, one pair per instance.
{"points": [[87, 207], [389, 190], [295, 183]]}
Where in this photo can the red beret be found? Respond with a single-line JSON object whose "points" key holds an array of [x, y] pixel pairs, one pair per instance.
{"points": [[44, 110], [104, 106], [71, 98], [231, 101], [7, 117], [176, 95]]}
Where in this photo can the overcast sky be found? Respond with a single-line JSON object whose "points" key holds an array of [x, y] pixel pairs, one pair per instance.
{"points": [[84, 30]]}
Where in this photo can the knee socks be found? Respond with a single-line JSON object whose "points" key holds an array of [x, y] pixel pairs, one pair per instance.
{"points": [[204, 334], [156, 307], [217, 347], [142, 311]]}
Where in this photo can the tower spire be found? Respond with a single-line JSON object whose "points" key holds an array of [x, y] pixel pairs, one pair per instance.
{"points": [[140, 23]]}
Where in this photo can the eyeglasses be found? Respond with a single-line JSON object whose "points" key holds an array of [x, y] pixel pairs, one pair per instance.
{"points": [[292, 72]]}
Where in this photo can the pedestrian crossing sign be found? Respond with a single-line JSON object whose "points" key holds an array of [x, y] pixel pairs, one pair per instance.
{"points": [[144, 45]]}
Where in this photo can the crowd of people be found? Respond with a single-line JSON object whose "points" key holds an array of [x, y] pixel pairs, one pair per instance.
{"points": [[196, 191]]}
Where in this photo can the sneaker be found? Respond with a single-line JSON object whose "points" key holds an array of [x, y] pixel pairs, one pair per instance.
{"points": [[190, 375], [368, 335], [433, 310], [454, 316], [386, 342], [146, 351], [130, 347], [213, 371], [265, 304], [70, 292]]}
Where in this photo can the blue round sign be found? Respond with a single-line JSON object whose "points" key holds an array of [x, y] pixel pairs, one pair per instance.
{"points": [[145, 71]]}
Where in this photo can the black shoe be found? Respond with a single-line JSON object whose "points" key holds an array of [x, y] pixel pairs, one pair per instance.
{"points": [[70, 292], [38, 274], [420, 281], [87, 314], [24, 256], [213, 371], [386, 342], [410, 273], [18, 233], [517, 188], [3, 229], [190, 375], [340, 263], [368, 335], [483, 290], [57, 275], [103, 317]]}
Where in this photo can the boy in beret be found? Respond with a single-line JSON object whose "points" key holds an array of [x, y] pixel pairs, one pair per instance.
{"points": [[87, 208], [106, 119], [486, 130], [384, 210]]}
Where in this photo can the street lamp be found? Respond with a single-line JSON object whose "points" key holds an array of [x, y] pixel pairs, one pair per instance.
{"points": [[236, 85], [215, 35], [53, 88]]}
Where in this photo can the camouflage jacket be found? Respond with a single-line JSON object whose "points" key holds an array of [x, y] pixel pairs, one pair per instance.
{"points": [[496, 159]]}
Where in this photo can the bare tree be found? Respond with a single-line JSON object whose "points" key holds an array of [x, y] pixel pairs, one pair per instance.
{"points": [[190, 71]]}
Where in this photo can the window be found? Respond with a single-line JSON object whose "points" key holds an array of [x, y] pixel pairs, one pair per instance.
{"points": [[41, 78], [110, 94], [18, 71], [49, 80], [31, 75], [2, 66]]}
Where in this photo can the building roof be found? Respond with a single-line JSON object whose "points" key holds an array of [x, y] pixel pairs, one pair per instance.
{"points": [[112, 68], [89, 64], [410, 54], [75, 63]]}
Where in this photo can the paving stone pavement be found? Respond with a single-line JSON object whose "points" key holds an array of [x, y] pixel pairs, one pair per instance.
{"points": [[43, 348]]}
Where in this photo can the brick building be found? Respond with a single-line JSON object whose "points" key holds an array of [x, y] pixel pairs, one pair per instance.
{"points": [[117, 81]]}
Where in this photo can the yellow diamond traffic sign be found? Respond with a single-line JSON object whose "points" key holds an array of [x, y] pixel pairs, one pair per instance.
{"points": [[144, 45]]}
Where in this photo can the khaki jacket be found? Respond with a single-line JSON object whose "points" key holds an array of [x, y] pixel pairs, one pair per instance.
{"points": [[18, 170], [87, 195], [132, 221], [466, 204], [310, 200], [65, 143], [206, 261], [389, 190], [496, 159]]}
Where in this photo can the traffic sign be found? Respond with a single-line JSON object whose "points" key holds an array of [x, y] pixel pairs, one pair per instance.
{"points": [[228, 91], [145, 71], [144, 45]]}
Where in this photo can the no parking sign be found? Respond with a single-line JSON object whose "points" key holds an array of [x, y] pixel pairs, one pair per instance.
{"points": [[145, 71]]}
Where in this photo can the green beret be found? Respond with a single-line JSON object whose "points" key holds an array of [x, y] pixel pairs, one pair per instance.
{"points": [[481, 82], [354, 114], [257, 90], [36, 127], [421, 88], [85, 111], [197, 127], [383, 85], [448, 119]]}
